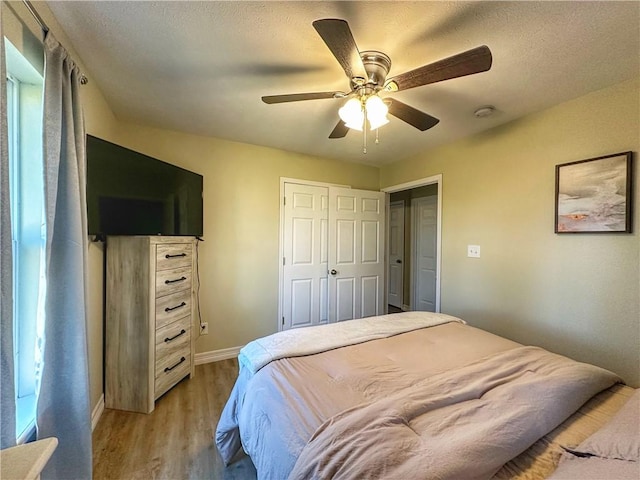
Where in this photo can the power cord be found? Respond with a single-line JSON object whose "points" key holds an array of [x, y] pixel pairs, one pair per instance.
{"points": [[198, 240]]}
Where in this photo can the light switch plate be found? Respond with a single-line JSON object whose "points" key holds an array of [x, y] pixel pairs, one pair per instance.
{"points": [[473, 251]]}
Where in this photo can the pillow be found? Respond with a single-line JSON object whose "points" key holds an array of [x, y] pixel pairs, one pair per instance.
{"points": [[620, 437], [594, 468]]}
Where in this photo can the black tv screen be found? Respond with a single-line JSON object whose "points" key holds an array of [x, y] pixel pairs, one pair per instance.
{"points": [[129, 193]]}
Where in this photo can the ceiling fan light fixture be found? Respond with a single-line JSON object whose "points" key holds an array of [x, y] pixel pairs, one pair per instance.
{"points": [[351, 112], [376, 112]]}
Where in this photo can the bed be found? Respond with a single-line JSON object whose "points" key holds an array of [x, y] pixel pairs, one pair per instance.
{"points": [[410, 395]]}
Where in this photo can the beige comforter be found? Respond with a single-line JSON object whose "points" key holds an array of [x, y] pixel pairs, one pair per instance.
{"points": [[461, 424], [278, 410]]}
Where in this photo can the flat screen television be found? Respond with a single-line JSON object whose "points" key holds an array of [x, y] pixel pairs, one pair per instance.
{"points": [[129, 193]]}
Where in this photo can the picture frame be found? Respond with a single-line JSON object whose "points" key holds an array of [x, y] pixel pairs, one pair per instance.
{"points": [[595, 195]]}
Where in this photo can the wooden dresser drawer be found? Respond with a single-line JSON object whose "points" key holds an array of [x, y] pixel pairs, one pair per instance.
{"points": [[166, 351], [171, 334], [173, 255], [167, 379], [172, 307], [173, 280]]}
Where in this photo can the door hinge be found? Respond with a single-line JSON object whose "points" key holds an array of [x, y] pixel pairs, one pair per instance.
{"points": [[284, 200], [284, 261], [283, 321]]}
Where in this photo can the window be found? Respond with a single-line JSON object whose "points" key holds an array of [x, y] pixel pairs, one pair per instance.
{"points": [[24, 121]]}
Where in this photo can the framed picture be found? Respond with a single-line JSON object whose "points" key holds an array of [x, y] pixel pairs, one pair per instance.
{"points": [[594, 195]]}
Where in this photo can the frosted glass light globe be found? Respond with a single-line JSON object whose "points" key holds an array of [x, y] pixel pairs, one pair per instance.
{"points": [[351, 114], [376, 112]]}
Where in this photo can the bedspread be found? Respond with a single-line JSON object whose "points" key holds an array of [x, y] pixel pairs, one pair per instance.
{"points": [[465, 423], [273, 413]]}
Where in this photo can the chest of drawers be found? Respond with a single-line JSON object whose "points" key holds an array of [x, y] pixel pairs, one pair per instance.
{"points": [[149, 332]]}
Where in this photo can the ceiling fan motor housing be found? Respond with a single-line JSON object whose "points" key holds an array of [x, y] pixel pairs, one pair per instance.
{"points": [[377, 66]]}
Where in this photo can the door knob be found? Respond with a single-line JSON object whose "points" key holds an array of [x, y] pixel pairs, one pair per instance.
{"points": [[333, 271], [398, 261]]}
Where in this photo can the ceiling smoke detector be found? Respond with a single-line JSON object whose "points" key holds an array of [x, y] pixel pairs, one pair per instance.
{"points": [[484, 112]]}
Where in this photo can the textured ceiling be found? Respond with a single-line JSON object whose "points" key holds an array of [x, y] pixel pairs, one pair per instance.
{"points": [[201, 67]]}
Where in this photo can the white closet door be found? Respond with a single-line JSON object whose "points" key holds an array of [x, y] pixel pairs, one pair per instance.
{"points": [[426, 229], [396, 254], [304, 298], [356, 253]]}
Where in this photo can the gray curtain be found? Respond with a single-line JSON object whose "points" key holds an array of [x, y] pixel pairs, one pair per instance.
{"points": [[7, 384], [63, 402]]}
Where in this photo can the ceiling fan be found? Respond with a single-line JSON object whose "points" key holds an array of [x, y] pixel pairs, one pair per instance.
{"points": [[367, 73]]}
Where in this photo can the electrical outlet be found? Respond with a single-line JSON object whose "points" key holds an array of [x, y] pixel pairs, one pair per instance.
{"points": [[204, 328], [473, 251]]}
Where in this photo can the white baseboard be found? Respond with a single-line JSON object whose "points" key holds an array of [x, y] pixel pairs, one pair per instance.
{"points": [[217, 355], [97, 412]]}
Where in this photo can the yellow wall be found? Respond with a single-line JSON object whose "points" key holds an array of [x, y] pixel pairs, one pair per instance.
{"points": [[574, 294]]}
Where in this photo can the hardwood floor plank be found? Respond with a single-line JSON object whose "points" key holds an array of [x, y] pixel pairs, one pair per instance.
{"points": [[175, 441]]}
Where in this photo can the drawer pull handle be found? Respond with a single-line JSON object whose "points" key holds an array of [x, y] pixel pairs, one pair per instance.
{"points": [[176, 255], [168, 369], [169, 309], [167, 282], [182, 332]]}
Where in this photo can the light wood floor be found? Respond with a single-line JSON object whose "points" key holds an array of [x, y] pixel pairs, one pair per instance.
{"points": [[176, 440]]}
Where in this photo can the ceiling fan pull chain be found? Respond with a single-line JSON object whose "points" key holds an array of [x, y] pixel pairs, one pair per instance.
{"points": [[377, 137]]}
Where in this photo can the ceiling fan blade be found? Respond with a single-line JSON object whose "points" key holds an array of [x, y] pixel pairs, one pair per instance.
{"points": [[338, 37], [472, 61], [296, 97], [340, 131], [412, 116]]}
